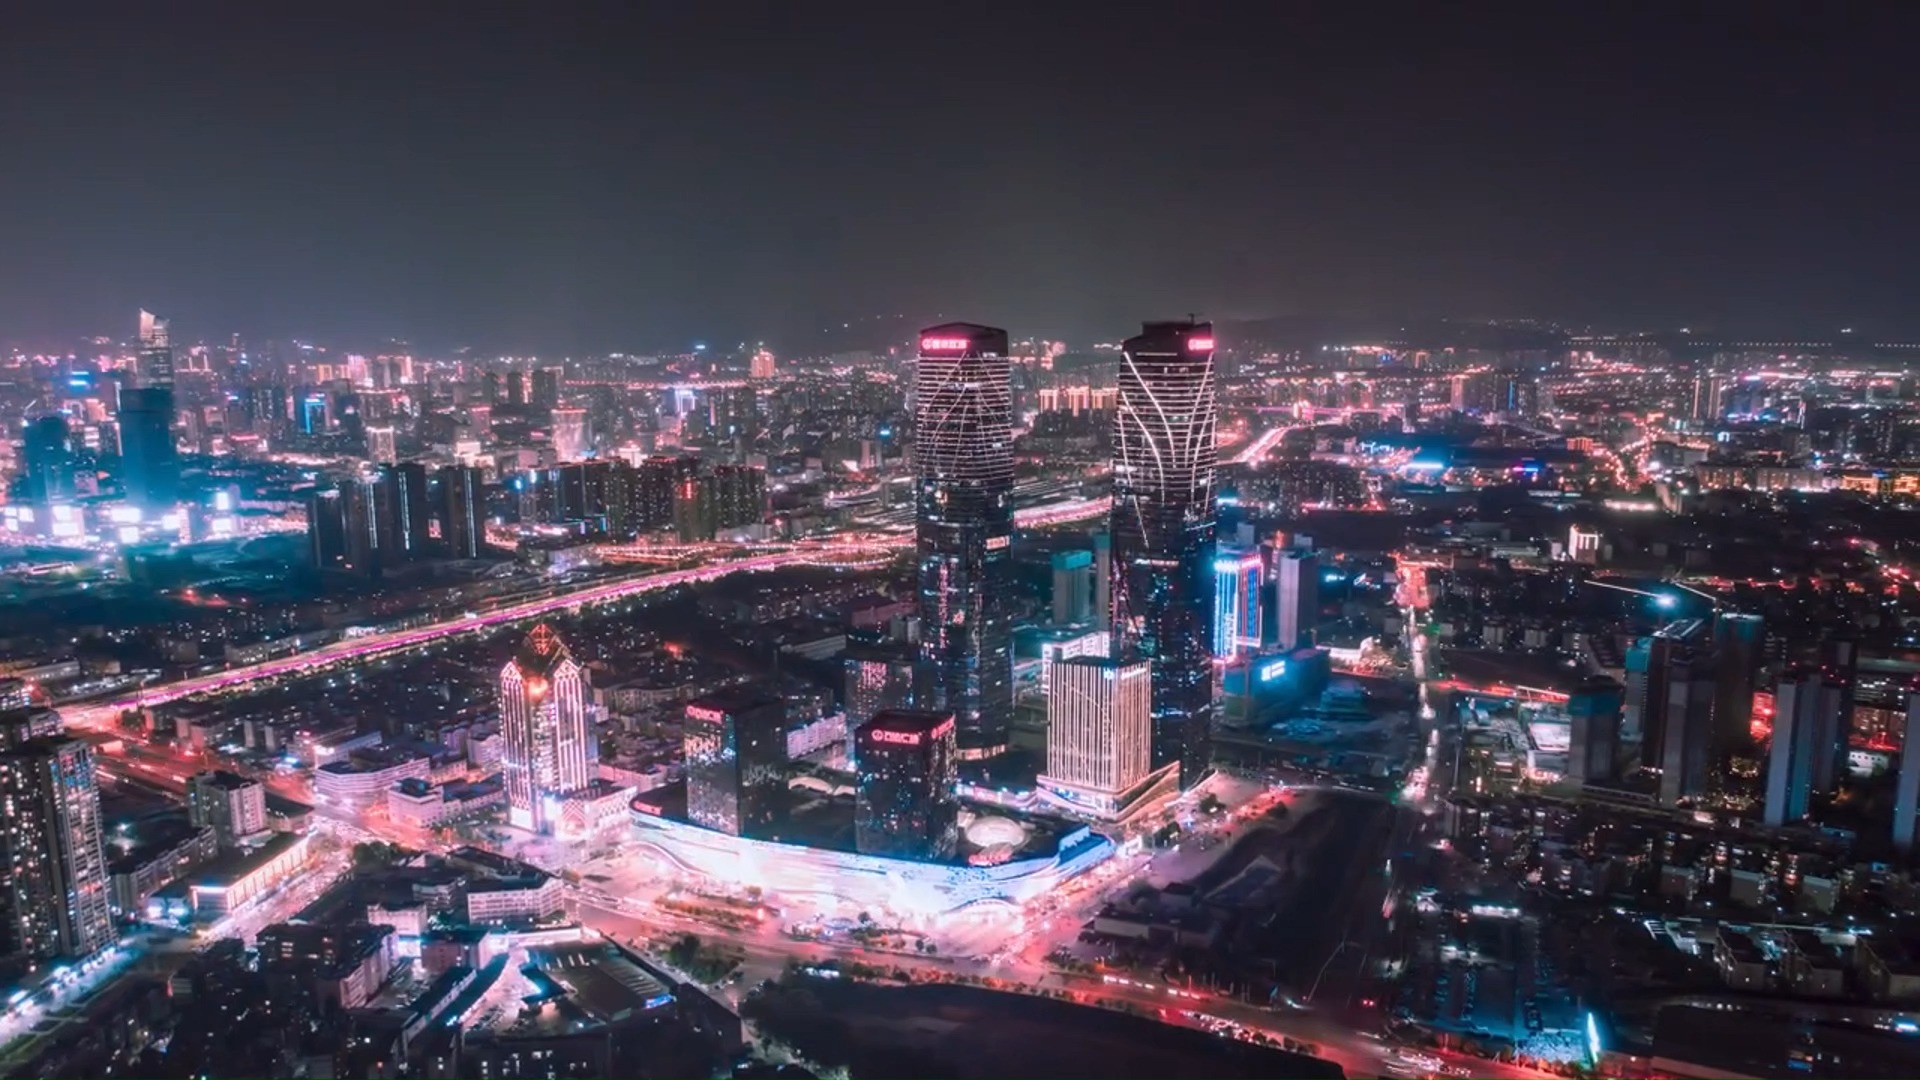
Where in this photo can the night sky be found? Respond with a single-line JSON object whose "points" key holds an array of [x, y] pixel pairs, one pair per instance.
{"points": [[566, 175]]}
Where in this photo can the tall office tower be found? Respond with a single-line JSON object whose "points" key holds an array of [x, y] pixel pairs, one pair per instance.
{"points": [[516, 384], [1593, 712], [569, 433], [1805, 704], [1162, 526], [365, 514], [905, 806], [1685, 639], [762, 366], [1237, 585], [1296, 577], [1103, 579], [48, 460], [463, 510], [233, 806], [736, 750], [1686, 740], [1906, 800], [1072, 587], [54, 889], [326, 528], [1840, 663], [543, 718], [381, 443], [149, 464], [156, 352], [963, 446], [1738, 641], [405, 518], [1099, 730], [546, 389], [1633, 705]]}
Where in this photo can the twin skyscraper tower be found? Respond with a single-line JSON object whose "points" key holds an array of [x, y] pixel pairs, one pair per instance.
{"points": [[1162, 529]]}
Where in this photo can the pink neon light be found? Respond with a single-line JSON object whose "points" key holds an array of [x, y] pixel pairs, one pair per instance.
{"points": [[904, 738], [944, 344], [1199, 344]]}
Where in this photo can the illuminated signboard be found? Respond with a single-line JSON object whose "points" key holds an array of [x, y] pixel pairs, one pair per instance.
{"points": [[1199, 344], [910, 738], [945, 344], [1272, 670], [701, 712]]}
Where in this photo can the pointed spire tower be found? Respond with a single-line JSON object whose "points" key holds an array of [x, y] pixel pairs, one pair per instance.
{"points": [[543, 717]]}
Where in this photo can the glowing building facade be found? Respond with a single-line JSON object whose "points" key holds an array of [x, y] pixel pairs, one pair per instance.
{"points": [[1163, 532], [850, 881], [963, 446], [905, 806], [1236, 602], [1099, 733], [736, 748], [543, 720]]}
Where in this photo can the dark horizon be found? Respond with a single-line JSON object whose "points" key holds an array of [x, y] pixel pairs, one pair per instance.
{"points": [[594, 178]]}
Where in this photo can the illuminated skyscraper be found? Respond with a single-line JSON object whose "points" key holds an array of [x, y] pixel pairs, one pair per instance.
{"points": [[736, 748], [54, 889], [1237, 586], [1806, 712], [1163, 529], [149, 465], [49, 460], [156, 352], [405, 518], [543, 719], [905, 807], [463, 511], [1099, 731], [963, 446]]}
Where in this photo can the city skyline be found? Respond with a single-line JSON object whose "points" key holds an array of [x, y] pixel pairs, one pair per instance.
{"points": [[665, 540]]}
